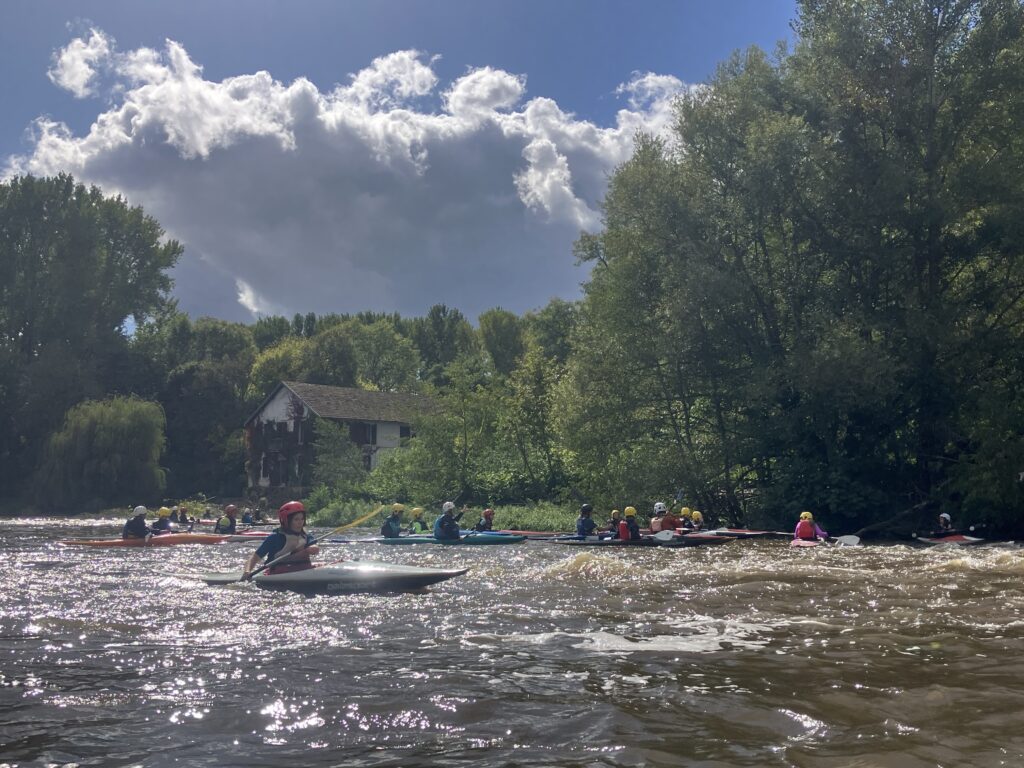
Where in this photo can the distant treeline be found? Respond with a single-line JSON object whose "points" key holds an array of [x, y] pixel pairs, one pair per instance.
{"points": [[809, 296]]}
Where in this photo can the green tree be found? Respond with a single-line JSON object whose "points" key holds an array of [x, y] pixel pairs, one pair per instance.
{"points": [[502, 335], [442, 336], [74, 266], [338, 462], [386, 360], [106, 454], [268, 331], [792, 303], [285, 361]]}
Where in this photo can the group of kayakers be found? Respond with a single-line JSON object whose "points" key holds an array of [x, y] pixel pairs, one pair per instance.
{"points": [[446, 526], [623, 524], [173, 520], [167, 521]]}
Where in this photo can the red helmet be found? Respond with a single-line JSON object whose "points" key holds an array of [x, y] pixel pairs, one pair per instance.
{"points": [[230, 508], [488, 513], [289, 509]]}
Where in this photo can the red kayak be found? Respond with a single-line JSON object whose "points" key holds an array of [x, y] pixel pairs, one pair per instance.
{"points": [[167, 540], [804, 543]]}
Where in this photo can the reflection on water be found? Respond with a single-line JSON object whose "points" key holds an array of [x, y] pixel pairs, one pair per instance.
{"points": [[748, 654]]}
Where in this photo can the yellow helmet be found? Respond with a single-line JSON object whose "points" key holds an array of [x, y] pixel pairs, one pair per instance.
{"points": [[630, 512], [696, 516], [685, 512], [396, 507], [805, 515], [163, 512], [417, 511], [615, 512]]}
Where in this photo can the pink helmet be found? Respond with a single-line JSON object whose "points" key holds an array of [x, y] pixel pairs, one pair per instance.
{"points": [[289, 509]]}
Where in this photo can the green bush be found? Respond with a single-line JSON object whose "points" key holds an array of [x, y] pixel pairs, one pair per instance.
{"points": [[106, 454]]}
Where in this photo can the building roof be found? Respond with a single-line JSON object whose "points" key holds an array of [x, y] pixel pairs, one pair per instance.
{"points": [[351, 404]]}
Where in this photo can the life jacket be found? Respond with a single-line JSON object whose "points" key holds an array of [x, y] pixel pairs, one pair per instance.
{"points": [[668, 523], [225, 525], [805, 530], [292, 542]]}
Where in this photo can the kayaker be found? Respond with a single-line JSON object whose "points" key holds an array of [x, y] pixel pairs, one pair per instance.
{"points": [[291, 537], [696, 520], [417, 525], [585, 525], [247, 517], [392, 527], [628, 528], [136, 527], [447, 525], [807, 529], [945, 524], [486, 521], [659, 512], [163, 521], [669, 521], [613, 524], [685, 517], [226, 524]]}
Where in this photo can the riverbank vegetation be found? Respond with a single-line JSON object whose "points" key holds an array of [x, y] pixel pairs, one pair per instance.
{"points": [[808, 295]]}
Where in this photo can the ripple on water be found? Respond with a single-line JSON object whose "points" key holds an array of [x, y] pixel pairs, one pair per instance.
{"points": [[745, 654]]}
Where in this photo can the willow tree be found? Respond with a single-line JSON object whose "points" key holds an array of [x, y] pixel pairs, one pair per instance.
{"points": [[792, 300], [107, 453]]}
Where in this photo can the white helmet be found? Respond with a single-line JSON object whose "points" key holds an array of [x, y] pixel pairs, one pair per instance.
{"points": [[945, 515], [448, 506], [659, 507], [139, 510]]}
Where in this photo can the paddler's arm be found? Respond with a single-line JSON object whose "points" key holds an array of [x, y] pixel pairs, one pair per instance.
{"points": [[250, 566]]}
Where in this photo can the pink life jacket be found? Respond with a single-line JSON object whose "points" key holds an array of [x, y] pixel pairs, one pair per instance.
{"points": [[805, 530]]}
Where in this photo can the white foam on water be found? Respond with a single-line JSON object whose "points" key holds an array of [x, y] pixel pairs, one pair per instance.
{"points": [[696, 634]]}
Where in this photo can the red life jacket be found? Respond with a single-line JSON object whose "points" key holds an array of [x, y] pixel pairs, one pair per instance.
{"points": [[805, 530]]}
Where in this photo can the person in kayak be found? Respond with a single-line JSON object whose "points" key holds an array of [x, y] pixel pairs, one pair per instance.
{"points": [[659, 512], [417, 525], [807, 529], [291, 537], [945, 524], [447, 525], [628, 528], [247, 517], [585, 525], [392, 527], [669, 521], [613, 524], [486, 521], [136, 527], [226, 524], [696, 521], [163, 521]]}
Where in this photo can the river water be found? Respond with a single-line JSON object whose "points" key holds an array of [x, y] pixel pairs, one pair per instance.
{"points": [[746, 654]]}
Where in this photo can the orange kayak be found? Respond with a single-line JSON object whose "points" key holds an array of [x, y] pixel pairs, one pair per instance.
{"points": [[167, 540]]}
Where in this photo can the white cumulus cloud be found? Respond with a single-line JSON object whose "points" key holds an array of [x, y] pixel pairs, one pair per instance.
{"points": [[390, 192], [75, 66]]}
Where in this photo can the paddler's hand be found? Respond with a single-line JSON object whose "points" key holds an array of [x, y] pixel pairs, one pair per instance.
{"points": [[247, 576]]}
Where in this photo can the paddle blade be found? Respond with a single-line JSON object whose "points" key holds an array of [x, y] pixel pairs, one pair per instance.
{"points": [[848, 541]]}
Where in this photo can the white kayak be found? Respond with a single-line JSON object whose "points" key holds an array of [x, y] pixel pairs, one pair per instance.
{"points": [[348, 576]]}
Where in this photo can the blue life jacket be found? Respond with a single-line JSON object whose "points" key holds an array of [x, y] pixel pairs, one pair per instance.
{"points": [[446, 527], [585, 526]]}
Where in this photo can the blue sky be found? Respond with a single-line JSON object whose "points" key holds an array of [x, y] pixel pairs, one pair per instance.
{"points": [[373, 208]]}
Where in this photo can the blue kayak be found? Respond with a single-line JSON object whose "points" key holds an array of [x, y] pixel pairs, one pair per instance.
{"points": [[473, 538]]}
